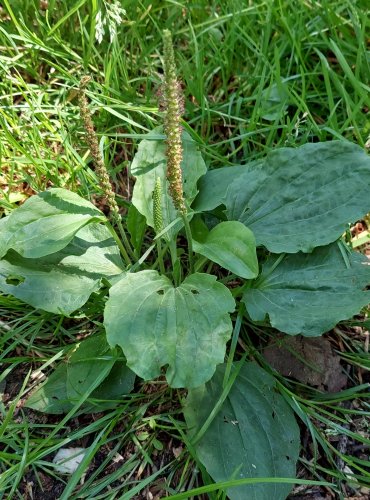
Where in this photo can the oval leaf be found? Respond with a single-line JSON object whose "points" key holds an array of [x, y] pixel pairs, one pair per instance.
{"points": [[136, 226], [253, 435], [150, 163], [213, 187], [92, 369], [232, 246], [51, 396], [46, 223], [93, 356], [310, 293], [302, 198], [63, 282], [89, 357], [157, 324]]}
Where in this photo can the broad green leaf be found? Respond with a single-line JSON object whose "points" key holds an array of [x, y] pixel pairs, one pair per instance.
{"points": [[310, 293], [157, 324], [90, 357], [199, 229], [302, 198], [94, 357], [63, 282], [46, 223], [51, 396], [232, 246], [150, 163], [213, 187], [108, 394], [136, 226], [91, 371], [253, 435]]}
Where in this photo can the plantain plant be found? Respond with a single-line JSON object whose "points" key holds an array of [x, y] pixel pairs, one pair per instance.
{"points": [[273, 226]]}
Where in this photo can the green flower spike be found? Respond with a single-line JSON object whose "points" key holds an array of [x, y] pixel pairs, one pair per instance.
{"points": [[157, 208]]}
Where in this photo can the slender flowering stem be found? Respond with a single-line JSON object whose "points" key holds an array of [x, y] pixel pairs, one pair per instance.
{"points": [[119, 243], [100, 168], [92, 141], [190, 242], [173, 102], [172, 126]]}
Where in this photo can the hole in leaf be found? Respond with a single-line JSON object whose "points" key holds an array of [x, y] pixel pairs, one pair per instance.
{"points": [[273, 414], [14, 280], [287, 457], [160, 292], [194, 292]]}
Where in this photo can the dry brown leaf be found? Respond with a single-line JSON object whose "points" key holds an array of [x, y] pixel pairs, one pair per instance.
{"points": [[311, 361]]}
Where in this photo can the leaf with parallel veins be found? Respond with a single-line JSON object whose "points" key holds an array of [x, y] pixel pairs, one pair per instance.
{"points": [[157, 324]]}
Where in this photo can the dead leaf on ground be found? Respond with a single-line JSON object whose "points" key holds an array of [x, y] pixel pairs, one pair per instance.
{"points": [[311, 361]]}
